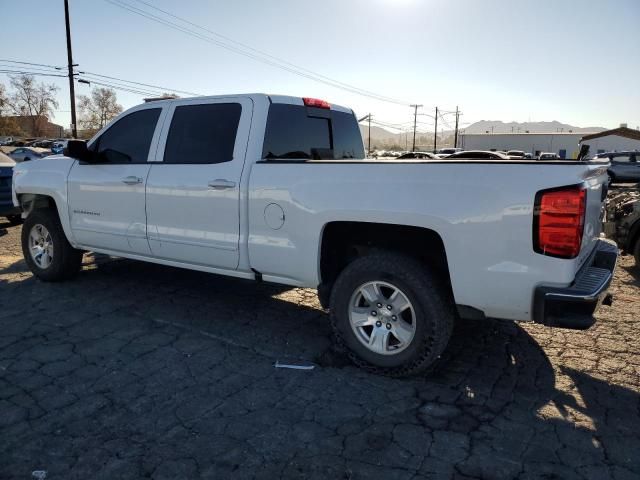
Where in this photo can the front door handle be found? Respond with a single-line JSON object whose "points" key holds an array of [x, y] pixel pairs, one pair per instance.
{"points": [[131, 180], [221, 184]]}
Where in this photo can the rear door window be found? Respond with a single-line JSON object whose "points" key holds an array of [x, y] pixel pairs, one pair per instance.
{"points": [[203, 133], [307, 133]]}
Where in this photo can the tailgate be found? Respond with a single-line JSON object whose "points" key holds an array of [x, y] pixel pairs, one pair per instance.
{"points": [[596, 182]]}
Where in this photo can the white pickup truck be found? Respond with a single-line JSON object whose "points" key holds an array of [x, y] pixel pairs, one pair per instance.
{"points": [[277, 188]]}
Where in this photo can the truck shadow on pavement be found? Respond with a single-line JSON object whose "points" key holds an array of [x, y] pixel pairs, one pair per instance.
{"points": [[634, 272], [171, 376]]}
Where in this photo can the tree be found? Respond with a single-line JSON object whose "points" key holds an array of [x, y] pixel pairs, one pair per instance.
{"points": [[8, 126], [98, 109], [30, 98], [3, 98]]}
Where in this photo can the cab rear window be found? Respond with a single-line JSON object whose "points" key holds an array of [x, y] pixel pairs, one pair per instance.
{"points": [[308, 133]]}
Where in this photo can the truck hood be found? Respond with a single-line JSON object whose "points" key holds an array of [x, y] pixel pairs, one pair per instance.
{"points": [[45, 176], [57, 163]]}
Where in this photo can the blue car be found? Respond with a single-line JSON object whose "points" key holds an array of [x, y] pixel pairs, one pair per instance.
{"points": [[6, 203], [58, 147]]}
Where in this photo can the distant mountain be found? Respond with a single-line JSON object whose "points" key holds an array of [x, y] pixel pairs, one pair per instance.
{"points": [[497, 126], [378, 134], [381, 138]]}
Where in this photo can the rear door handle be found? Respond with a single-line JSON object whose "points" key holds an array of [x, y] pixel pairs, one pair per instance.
{"points": [[132, 180], [221, 184]]}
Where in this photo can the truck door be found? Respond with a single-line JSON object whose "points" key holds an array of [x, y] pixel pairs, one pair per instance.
{"points": [[107, 200], [193, 190]]}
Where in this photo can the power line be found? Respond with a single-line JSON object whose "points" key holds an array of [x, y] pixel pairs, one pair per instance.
{"points": [[30, 63], [140, 83], [47, 70], [26, 72], [132, 86], [31, 69], [262, 53], [445, 122], [125, 89], [258, 56]]}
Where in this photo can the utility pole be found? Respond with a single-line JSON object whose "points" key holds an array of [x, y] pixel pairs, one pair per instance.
{"points": [[369, 135], [72, 93], [415, 121], [455, 135], [435, 133]]}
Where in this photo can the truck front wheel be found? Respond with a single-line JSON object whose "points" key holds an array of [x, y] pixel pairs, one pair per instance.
{"points": [[48, 254], [391, 313]]}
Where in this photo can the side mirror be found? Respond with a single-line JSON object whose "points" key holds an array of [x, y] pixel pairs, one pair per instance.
{"points": [[77, 149]]}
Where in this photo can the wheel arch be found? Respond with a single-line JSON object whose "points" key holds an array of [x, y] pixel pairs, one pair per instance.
{"points": [[32, 201], [341, 242]]}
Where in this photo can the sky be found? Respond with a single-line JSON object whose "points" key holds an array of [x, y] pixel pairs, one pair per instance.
{"points": [[575, 61]]}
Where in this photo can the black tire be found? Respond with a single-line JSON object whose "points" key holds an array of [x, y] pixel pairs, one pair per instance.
{"points": [[66, 260], [636, 253], [433, 307], [14, 219]]}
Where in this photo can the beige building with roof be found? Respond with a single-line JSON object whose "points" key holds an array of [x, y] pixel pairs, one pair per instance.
{"points": [[617, 140]]}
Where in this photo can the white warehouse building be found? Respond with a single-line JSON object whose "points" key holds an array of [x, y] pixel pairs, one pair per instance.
{"points": [[566, 145]]}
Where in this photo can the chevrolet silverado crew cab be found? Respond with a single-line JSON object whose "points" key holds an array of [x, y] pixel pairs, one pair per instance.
{"points": [[277, 188]]}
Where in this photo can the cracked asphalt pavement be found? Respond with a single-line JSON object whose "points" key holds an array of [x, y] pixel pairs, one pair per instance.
{"points": [[136, 370]]}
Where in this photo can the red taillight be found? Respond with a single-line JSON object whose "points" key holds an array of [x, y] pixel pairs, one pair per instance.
{"points": [[559, 222], [315, 102]]}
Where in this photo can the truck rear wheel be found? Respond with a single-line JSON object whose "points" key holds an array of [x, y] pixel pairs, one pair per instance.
{"points": [[391, 313], [48, 254]]}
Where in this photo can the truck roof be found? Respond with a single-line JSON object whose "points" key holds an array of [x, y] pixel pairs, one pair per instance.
{"points": [[291, 100]]}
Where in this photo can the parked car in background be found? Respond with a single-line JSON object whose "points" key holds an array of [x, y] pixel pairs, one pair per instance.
{"points": [[43, 144], [24, 154], [479, 155], [448, 151], [418, 155], [625, 166], [59, 146], [528, 156], [548, 156], [515, 154], [6, 141], [7, 209]]}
